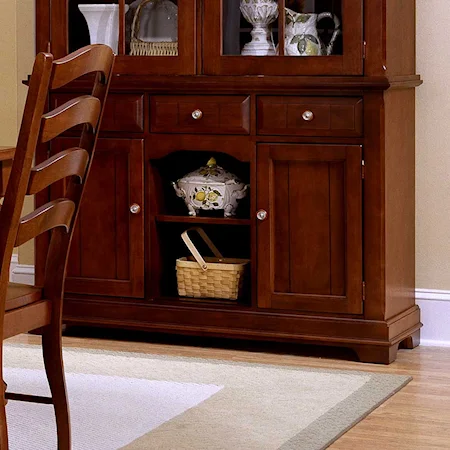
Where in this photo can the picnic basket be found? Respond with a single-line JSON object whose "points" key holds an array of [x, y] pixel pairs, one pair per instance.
{"points": [[139, 47], [209, 277]]}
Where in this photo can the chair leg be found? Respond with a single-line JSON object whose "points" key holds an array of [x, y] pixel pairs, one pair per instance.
{"points": [[3, 424], [52, 351]]}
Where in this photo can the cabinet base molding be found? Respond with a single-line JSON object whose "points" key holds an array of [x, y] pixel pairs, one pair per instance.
{"points": [[373, 340]]}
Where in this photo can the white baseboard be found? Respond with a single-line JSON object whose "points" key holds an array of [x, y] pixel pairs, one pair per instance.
{"points": [[434, 306], [14, 263], [21, 273], [435, 316]]}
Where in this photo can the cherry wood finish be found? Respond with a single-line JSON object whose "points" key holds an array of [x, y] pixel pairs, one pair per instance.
{"points": [[349, 63], [332, 116], [217, 115], [7, 153], [26, 308], [122, 112], [6, 158], [54, 35], [202, 220], [311, 258], [389, 31], [334, 262], [106, 229]]}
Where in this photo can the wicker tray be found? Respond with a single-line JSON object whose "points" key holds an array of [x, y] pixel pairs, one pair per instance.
{"points": [[210, 277], [138, 47]]}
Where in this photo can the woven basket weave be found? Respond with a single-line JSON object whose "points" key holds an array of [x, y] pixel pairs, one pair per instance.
{"points": [[213, 277], [138, 47]]}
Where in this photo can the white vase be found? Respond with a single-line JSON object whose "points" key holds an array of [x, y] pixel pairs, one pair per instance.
{"points": [[103, 23], [260, 14]]}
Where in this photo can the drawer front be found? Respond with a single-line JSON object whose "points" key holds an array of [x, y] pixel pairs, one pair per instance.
{"points": [[310, 116], [123, 112], [200, 114]]}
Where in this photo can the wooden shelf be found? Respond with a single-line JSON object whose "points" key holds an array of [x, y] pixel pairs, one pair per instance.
{"points": [[203, 220]]}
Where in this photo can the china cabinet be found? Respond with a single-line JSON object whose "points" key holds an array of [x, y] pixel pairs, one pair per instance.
{"points": [[311, 104]]}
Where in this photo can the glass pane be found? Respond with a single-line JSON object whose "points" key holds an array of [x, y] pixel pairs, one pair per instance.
{"points": [[151, 28], [93, 23], [313, 27], [250, 27]]}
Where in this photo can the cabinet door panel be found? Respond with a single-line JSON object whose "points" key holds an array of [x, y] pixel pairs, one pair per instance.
{"points": [[295, 37], [107, 251], [69, 29], [313, 232]]}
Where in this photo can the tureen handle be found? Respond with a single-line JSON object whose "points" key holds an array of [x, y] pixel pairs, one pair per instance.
{"points": [[240, 194], [180, 192]]}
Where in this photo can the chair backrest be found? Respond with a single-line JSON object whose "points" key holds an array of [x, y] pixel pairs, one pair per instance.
{"points": [[39, 128]]}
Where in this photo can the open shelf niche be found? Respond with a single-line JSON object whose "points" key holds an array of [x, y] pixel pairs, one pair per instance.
{"points": [[169, 219]]}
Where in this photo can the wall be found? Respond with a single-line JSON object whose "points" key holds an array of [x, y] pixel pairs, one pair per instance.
{"points": [[433, 167], [433, 142], [16, 55], [8, 73], [433, 145]]}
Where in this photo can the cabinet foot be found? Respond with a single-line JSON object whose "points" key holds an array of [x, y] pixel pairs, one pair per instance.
{"points": [[412, 341], [376, 353]]}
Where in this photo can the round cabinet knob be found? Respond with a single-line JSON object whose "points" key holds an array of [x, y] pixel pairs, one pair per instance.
{"points": [[197, 114], [135, 208], [308, 116], [261, 214]]}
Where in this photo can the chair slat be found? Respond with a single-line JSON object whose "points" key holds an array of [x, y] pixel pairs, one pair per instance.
{"points": [[80, 110], [25, 309], [57, 213], [85, 60], [70, 162]]}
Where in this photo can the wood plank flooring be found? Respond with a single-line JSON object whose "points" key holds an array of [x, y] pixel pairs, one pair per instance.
{"points": [[416, 418]]}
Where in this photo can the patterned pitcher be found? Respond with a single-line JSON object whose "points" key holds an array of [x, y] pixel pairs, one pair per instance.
{"points": [[301, 36]]}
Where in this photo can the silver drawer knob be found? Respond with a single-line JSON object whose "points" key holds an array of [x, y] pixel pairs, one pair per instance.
{"points": [[135, 208], [308, 116], [261, 214], [197, 114]]}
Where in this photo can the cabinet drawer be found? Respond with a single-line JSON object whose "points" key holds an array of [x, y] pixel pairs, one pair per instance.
{"points": [[310, 116], [123, 112], [200, 114]]}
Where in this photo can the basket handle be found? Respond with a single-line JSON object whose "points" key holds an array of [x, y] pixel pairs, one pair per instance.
{"points": [[195, 253], [137, 18]]}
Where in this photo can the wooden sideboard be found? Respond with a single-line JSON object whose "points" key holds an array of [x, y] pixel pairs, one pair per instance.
{"points": [[327, 147]]}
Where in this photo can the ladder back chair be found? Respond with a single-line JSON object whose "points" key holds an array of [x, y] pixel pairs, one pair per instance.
{"points": [[25, 308]]}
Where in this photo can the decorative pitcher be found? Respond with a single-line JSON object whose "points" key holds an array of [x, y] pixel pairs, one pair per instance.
{"points": [[301, 36]]}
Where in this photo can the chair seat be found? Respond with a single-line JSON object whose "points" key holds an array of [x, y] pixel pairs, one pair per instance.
{"points": [[19, 295]]}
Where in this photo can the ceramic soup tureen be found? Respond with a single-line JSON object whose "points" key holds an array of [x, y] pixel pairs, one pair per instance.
{"points": [[209, 188]]}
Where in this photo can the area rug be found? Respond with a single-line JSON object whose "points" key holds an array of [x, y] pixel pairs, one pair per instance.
{"points": [[149, 402]]}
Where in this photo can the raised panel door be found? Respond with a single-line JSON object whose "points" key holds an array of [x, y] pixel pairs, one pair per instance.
{"points": [[310, 236], [107, 251]]}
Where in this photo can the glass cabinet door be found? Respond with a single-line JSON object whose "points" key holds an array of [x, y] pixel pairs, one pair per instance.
{"points": [[283, 37], [148, 36]]}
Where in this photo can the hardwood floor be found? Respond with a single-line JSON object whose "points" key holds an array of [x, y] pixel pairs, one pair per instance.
{"points": [[418, 417]]}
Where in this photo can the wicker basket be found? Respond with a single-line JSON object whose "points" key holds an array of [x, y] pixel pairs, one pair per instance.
{"points": [[138, 47], [214, 277]]}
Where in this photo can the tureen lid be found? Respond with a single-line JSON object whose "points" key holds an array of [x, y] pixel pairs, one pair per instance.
{"points": [[210, 174]]}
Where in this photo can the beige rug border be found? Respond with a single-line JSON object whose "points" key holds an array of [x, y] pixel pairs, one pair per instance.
{"points": [[327, 428]]}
